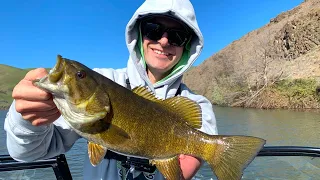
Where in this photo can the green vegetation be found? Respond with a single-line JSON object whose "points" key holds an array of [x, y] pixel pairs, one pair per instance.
{"points": [[9, 77], [296, 88], [300, 93], [218, 96], [287, 93]]}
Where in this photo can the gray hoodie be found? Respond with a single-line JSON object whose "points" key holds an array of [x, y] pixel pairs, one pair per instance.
{"points": [[27, 143]]}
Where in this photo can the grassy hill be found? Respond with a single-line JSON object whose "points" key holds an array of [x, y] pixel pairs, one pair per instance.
{"points": [[9, 77]]}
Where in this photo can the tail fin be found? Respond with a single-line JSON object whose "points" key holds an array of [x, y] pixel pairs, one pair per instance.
{"points": [[232, 155]]}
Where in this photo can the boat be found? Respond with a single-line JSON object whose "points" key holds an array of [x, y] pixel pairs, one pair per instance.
{"points": [[61, 169]]}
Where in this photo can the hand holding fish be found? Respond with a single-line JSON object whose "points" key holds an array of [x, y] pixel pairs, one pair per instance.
{"points": [[34, 104]]}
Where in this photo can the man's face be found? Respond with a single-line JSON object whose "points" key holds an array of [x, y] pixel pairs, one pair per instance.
{"points": [[161, 56]]}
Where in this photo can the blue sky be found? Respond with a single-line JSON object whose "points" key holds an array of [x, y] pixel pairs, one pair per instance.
{"points": [[33, 32]]}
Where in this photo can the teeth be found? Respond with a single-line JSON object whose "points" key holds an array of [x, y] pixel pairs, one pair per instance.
{"points": [[160, 52]]}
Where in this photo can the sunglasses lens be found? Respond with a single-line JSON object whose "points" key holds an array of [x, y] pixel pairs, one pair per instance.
{"points": [[177, 38], [152, 31], [155, 31]]}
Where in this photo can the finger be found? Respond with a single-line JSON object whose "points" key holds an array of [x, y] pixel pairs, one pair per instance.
{"points": [[27, 91], [182, 156], [23, 106], [35, 74], [30, 116], [46, 120]]}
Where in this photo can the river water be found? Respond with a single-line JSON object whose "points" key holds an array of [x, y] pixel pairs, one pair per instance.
{"points": [[278, 127]]}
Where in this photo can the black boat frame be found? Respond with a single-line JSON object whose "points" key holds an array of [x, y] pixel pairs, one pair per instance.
{"points": [[58, 164]]}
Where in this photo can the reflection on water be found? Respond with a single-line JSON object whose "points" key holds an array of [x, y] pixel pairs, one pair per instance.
{"points": [[282, 168], [278, 127], [75, 158], [29, 174]]}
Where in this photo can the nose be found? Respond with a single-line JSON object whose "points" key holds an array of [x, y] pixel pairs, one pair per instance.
{"points": [[164, 40]]}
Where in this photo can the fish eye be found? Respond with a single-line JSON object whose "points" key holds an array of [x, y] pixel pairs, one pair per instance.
{"points": [[81, 74]]}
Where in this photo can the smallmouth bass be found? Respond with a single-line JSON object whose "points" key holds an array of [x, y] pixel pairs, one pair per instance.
{"points": [[136, 123]]}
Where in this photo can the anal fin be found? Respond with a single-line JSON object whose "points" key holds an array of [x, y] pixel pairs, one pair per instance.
{"points": [[96, 153], [169, 168]]}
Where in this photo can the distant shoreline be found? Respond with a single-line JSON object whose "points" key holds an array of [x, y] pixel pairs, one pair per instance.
{"points": [[5, 108]]}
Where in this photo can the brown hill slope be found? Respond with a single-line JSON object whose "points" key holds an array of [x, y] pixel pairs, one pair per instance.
{"points": [[250, 71]]}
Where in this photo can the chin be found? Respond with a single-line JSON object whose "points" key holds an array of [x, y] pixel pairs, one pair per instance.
{"points": [[160, 69]]}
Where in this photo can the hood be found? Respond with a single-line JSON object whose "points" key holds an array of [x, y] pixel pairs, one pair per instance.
{"points": [[179, 9]]}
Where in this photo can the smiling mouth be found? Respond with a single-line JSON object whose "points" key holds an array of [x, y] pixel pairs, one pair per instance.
{"points": [[160, 52]]}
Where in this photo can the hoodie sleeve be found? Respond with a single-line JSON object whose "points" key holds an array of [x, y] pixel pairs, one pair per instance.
{"points": [[26, 142], [209, 124]]}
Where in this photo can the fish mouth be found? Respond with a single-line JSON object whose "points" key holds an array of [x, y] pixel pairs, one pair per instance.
{"points": [[52, 82]]}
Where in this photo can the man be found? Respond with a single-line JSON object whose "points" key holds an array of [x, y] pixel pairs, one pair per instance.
{"points": [[164, 40]]}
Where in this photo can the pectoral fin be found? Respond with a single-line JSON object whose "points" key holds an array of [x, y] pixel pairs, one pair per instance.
{"points": [[169, 168], [96, 153]]}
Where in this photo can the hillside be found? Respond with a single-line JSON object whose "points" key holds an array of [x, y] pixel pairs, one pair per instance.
{"points": [[9, 77], [276, 66]]}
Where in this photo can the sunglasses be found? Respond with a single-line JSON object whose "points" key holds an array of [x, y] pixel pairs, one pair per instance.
{"points": [[155, 31]]}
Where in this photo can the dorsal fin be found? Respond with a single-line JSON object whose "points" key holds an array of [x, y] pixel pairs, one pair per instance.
{"points": [[188, 109], [185, 107], [145, 93]]}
